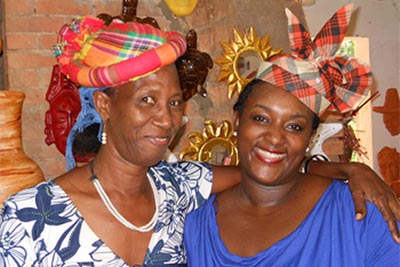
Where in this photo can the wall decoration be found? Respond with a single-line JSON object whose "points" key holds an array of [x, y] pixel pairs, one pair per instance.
{"points": [[242, 57], [129, 8], [193, 68], [325, 130], [389, 165], [181, 7], [215, 144], [64, 107], [391, 111]]}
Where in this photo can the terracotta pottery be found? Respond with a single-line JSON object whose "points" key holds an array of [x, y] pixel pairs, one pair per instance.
{"points": [[17, 170]]}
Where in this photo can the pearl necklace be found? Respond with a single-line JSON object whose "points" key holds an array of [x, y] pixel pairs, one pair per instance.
{"points": [[106, 200]]}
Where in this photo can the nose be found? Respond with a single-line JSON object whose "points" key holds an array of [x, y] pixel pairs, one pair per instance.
{"points": [[275, 135], [164, 117]]}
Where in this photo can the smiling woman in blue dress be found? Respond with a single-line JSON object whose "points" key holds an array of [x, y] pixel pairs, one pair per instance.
{"points": [[278, 216]]}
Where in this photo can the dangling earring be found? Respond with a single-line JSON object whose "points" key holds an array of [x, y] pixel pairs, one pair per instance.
{"points": [[104, 136], [307, 149]]}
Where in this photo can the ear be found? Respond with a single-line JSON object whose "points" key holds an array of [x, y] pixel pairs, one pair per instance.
{"points": [[102, 104]]}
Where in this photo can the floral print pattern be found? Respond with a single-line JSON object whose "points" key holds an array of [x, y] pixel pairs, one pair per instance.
{"points": [[40, 226]]}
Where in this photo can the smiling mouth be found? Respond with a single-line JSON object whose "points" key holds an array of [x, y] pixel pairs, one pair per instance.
{"points": [[159, 141], [268, 156]]}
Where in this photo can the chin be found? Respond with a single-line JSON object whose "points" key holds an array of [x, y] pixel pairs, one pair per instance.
{"points": [[154, 161]]}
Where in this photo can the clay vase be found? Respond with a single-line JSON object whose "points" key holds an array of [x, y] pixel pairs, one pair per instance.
{"points": [[17, 170]]}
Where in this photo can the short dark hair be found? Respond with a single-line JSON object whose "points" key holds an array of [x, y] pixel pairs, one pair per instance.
{"points": [[86, 142], [244, 95]]}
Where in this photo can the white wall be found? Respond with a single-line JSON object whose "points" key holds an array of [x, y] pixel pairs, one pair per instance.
{"points": [[379, 20]]}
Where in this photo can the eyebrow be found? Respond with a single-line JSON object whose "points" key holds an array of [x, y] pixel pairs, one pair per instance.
{"points": [[294, 116]]}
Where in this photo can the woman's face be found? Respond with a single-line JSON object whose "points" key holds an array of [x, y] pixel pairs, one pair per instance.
{"points": [[144, 116], [274, 130]]}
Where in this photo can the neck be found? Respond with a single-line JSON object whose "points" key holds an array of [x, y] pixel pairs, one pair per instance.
{"points": [[114, 211], [121, 175], [264, 196]]}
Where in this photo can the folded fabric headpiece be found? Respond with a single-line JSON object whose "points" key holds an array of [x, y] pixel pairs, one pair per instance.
{"points": [[314, 73], [92, 54]]}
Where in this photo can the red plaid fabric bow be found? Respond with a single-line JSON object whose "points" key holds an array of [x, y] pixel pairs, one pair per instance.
{"points": [[314, 73]]}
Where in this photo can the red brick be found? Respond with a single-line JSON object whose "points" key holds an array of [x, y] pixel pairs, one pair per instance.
{"points": [[33, 24], [44, 76], [112, 7], [58, 7], [19, 7], [47, 40], [22, 78], [21, 41], [26, 60]]}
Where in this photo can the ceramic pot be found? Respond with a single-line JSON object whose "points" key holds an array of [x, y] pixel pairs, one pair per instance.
{"points": [[17, 170]]}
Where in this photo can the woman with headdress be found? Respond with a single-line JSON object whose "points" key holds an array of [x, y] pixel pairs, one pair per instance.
{"points": [[278, 216], [126, 207]]}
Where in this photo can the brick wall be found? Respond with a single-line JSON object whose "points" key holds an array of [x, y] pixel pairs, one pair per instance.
{"points": [[31, 28], [30, 32]]}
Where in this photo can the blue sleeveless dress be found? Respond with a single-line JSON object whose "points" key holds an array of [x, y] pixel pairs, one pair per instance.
{"points": [[329, 236]]}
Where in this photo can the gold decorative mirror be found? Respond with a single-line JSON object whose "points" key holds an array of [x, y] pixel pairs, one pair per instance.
{"points": [[216, 144], [242, 57]]}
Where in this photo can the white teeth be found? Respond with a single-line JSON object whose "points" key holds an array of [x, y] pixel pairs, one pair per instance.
{"points": [[270, 155]]}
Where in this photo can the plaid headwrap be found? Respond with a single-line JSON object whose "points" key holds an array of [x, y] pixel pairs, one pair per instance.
{"points": [[314, 73], [95, 55]]}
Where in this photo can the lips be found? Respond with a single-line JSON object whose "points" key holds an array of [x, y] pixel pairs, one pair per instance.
{"points": [[159, 141], [269, 156]]}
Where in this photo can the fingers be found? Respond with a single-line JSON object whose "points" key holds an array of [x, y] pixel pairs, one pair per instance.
{"points": [[384, 205], [359, 204], [394, 230], [394, 203]]}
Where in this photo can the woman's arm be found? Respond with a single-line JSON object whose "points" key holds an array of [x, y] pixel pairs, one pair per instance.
{"points": [[224, 177], [364, 185]]}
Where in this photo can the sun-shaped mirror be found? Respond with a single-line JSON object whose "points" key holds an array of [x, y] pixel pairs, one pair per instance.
{"points": [[215, 144], [242, 57]]}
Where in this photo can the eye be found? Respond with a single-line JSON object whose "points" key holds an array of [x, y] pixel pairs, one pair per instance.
{"points": [[261, 119], [295, 127], [148, 99], [176, 103]]}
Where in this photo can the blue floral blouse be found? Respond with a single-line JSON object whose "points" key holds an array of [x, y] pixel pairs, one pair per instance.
{"points": [[40, 226]]}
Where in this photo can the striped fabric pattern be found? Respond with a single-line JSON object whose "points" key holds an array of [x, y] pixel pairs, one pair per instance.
{"points": [[94, 55], [313, 72]]}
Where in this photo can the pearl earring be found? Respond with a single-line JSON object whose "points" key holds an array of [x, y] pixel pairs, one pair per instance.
{"points": [[103, 137]]}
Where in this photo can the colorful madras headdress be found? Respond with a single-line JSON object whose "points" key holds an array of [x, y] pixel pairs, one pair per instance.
{"points": [[97, 56], [314, 73]]}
